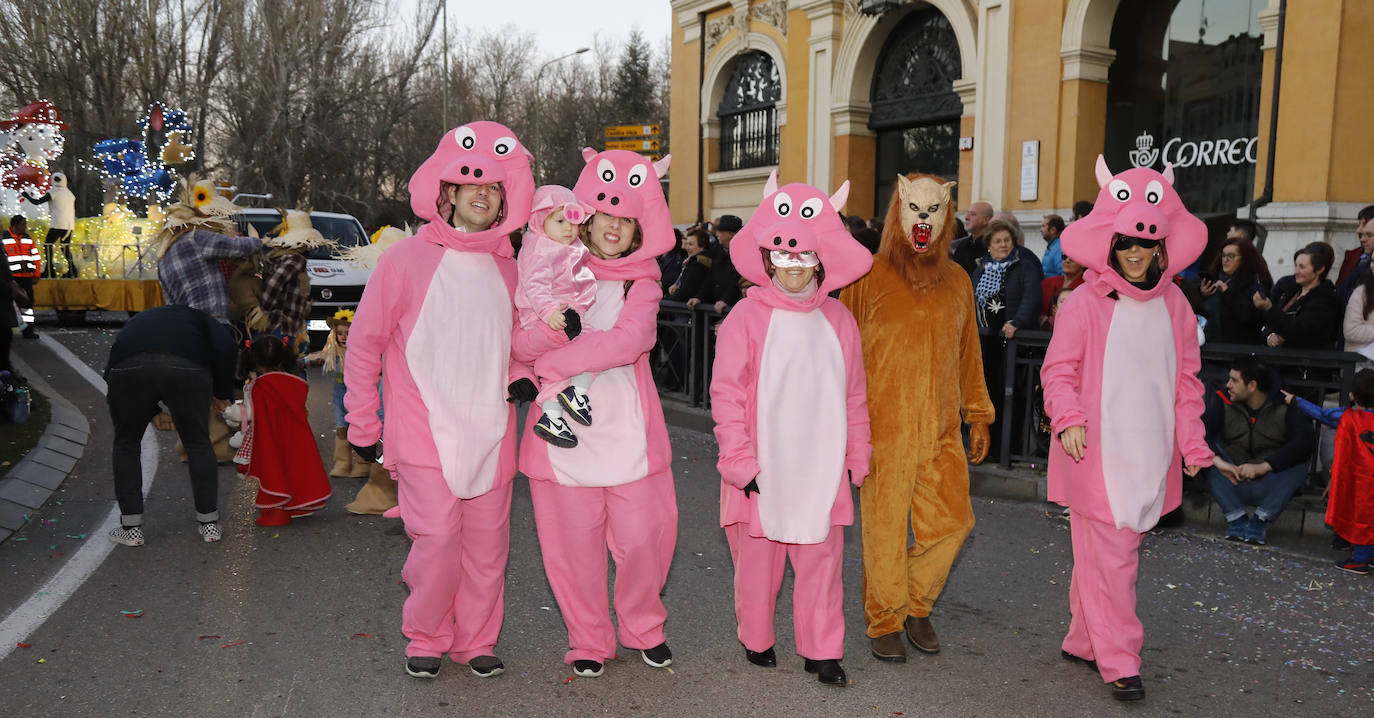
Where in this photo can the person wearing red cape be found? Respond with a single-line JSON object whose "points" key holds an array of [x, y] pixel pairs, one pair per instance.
{"points": [[278, 445]]}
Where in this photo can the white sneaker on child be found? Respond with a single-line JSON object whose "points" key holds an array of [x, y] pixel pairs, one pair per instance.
{"points": [[555, 431], [579, 406], [210, 531]]}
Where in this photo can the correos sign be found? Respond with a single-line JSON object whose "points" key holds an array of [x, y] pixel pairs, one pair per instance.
{"points": [[1187, 153]]}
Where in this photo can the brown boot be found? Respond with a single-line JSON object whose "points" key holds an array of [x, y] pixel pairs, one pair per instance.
{"points": [[377, 495], [889, 648], [921, 634], [343, 454]]}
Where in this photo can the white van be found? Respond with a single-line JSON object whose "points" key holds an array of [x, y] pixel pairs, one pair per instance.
{"points": [[334, 284]]}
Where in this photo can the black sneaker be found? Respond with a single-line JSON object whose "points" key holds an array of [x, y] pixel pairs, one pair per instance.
{"points": [[659, 656], [827, 671], [588, 669], [1128, 689], [29, 333], [1078, 659], [424, 666], [766, 658], [486, 666], [555, 431], [579, 407]]}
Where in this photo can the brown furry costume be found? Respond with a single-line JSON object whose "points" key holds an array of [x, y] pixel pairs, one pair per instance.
{"points": [[925, 373]]}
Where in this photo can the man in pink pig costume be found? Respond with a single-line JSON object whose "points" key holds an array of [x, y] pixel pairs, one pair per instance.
{"points": [[1121, 388], [614, 489], [435, 325], [791, 411]]}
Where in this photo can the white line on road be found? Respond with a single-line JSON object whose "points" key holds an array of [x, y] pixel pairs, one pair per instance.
{"points": [[30, 615]]}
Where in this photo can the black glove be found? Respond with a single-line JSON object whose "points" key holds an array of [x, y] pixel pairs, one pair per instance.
{"points": [[753, 486], [574, 326], [366, 453], [522, 390]]}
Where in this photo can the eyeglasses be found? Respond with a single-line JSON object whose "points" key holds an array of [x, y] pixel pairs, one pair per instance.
{"points": [[1230, 255], [1125, 242]]}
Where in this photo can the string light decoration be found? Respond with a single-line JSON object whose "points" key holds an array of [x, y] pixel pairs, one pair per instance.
{"points": [[141, 169], [29, 140]]}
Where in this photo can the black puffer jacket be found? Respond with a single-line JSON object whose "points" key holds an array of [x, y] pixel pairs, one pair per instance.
{"points": [[1310, 322]]}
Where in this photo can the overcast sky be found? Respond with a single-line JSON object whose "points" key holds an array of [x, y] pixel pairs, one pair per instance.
{"points": [[561, 26]]}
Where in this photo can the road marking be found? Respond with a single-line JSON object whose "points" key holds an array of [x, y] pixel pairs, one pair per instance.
{"points": [[30, 615]]}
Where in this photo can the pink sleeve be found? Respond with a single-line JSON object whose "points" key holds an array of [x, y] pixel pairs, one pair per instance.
{"points": [[634, 334], [734, 380], [368, 338], [1059, 376], [1188, 403], [538, 269], [858, 448]]}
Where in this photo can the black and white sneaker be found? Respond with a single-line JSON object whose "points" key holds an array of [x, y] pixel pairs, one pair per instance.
{"points": [[127, 535], [555, 431], [659, 656], [578, 406], [486, 666], [209, 531], [588, 669], [424, 666]]}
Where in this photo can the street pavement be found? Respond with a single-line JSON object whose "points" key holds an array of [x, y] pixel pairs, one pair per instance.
{"points": [[305, 619]]}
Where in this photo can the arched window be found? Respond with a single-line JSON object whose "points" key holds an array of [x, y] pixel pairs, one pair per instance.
{"points": [[748, 114]]}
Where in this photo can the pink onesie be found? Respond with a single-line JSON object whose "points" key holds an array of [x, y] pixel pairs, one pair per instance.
{"points": [[614, 490], [788, 398], [435, 324], [1126, 369]]}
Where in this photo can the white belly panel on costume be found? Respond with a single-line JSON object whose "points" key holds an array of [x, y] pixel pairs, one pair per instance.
{"points": [[614, 449], [459, 357], [1139, 373], [802, 426]]}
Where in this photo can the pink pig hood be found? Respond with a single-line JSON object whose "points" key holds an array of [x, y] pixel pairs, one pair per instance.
{"points": [[800, 218], [1140, 203], [551, 197], [624, 184], [476, 153]]}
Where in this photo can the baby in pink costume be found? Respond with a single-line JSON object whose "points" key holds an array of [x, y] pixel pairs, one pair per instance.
{"points": [[614, 490], [791, 412], [435, 324], [553, 279], [1121, 373]]}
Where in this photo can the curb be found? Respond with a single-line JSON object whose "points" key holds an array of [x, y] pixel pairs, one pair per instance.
{"points": [[30, 483]]}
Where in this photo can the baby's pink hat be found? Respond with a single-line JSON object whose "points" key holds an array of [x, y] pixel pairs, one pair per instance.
{"points": [[550, 197]]}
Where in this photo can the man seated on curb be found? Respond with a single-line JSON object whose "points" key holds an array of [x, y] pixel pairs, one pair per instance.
{"points": [[1262, 449]]}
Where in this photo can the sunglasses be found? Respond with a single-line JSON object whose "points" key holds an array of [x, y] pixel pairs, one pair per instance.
{"points": [[1125, 242]]}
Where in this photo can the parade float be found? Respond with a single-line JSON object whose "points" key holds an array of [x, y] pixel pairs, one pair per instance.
{"points": [[109, 261]]}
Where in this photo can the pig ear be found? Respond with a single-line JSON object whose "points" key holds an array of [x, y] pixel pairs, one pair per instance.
{"points": [[771, 185], [1104, 175], [587, 154], [841, 196], [661, 166], [1168, 172]]}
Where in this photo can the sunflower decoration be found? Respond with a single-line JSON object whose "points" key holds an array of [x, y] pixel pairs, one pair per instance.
{"points": [[202, 206]]}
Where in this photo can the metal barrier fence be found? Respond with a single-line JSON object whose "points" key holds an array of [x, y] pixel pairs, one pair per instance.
{"points": [[87, 260], [686, 348], [1312, 374]]}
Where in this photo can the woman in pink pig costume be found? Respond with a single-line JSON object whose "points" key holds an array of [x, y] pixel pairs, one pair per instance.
{"points": [[556, 287], [435, 325], [614, 490], [1121, 388], [791, 412]]}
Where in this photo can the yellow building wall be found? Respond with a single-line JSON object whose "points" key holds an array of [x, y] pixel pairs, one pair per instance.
{"points": [[1352, 137], [1034, 103], [684, 115], [794, 150], [1082, 135], [1307, 100], [854, 158]]}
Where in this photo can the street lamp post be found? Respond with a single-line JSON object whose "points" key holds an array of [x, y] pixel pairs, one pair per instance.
{"points": [[538, 76]]}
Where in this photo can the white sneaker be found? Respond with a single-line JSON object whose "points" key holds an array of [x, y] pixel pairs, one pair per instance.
{"points": [[132, 536], [578, 406], [210, 531], [555, 431]]}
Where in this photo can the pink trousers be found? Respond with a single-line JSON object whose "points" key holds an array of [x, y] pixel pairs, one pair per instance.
{"points": [[637, 522], [1104, 627], [456, 569], [817, 591]]}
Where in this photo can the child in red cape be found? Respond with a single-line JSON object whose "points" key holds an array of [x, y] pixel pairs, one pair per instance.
{"points": [[278, 445]]}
